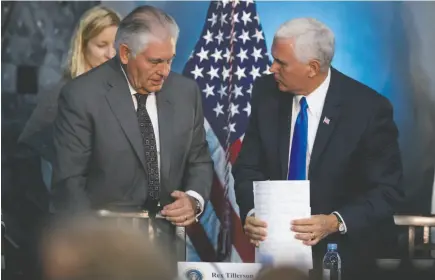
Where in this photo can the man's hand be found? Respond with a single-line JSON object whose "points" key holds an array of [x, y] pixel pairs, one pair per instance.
{"points": [[181, 212], [255, 230], [314, 229]]}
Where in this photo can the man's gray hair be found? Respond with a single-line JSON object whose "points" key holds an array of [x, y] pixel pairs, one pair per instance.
{"points": [[91, 248], [144, 24], [312, 40]]}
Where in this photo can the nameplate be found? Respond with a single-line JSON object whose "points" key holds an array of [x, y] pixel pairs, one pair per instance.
{"points": [[217, 271]]}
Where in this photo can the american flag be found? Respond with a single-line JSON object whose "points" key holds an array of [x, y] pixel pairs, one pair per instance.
{"points": [[230, 54]]}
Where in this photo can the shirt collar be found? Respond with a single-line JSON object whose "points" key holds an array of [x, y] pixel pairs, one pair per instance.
{"points": [[316, 99]]}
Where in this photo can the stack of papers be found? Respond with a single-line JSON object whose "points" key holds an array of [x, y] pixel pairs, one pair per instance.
{"points": [[278, 203]]}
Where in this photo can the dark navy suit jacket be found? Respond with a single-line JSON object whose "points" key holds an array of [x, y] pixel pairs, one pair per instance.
{"points": [[355, 165]]}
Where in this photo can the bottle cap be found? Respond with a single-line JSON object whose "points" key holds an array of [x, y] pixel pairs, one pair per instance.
{"points": [[332, 246]]}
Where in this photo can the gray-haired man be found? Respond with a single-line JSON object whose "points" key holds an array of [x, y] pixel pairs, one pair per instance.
{"points": [[129, 134], [311, 122]]}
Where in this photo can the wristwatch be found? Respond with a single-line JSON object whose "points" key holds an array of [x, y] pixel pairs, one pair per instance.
{"points": [[341, 228], [197, 206]]}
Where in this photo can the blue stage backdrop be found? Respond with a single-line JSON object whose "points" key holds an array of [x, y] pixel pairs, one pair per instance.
{"points": [[386, 45]]}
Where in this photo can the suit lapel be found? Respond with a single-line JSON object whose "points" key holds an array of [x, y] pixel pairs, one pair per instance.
{"points": [[285, 114], [328, 120], [121, 103], [165, 115]]}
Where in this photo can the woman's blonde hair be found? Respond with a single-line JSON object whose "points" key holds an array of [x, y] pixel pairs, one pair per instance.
{"points": [[92, 23]]}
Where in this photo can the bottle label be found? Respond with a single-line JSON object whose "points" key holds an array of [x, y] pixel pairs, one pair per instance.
{"points": [[326, 274]]}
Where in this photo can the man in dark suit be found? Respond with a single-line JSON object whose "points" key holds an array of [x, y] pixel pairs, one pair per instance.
{"points": [[311, 122], [129, 134]]}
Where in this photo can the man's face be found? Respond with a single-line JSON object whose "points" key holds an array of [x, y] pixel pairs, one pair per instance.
{"points": [[149, 69], [290, 74]]}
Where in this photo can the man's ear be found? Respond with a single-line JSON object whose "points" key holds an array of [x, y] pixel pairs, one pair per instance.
{"points": [[124, 53], [314, 68]]}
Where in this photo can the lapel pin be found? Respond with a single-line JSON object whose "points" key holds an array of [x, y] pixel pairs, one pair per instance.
{"points": [[326, 120]]}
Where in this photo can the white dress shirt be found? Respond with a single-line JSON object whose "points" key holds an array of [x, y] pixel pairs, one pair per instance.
{"points": [[315, 101], [151, 106]]}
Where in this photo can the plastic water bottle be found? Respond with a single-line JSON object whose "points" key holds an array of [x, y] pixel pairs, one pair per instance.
{"points": [[332, 263]]}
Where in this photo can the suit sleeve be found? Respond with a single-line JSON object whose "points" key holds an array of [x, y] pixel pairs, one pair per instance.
{"points": [[72, 144], [38, 131], [248, 167], [198, 174], [383, 169]]}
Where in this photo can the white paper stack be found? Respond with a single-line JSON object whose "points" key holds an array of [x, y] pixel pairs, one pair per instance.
{"points": [[278, 203]]}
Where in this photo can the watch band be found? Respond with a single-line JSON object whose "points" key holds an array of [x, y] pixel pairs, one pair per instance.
{"points": [[340, 223], [197, 205]]}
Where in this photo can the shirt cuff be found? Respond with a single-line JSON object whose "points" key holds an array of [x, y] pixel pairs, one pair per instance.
{"points": [[251, 213], [198, 197], [341, 218]]}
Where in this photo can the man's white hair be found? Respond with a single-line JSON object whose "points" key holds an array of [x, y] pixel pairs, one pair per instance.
{"points": [[142, 25], [312, 40]]}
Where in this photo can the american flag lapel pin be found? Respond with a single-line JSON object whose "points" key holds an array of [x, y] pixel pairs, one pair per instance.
{"points": [[326, 120]]}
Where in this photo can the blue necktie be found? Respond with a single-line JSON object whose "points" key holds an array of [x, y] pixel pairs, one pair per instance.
{"points": [[298, 156]]}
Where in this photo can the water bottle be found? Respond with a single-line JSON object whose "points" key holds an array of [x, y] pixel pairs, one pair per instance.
{"points": [[332, 263]]}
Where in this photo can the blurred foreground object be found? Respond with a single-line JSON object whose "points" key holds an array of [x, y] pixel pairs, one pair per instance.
{"points": [[90, 248], [284, 272]]}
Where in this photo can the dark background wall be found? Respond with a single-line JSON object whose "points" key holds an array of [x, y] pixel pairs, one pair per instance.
{"points": [[35, 41]]}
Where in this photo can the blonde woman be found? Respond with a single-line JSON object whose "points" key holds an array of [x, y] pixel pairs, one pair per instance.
{"points": [[91, 45]]}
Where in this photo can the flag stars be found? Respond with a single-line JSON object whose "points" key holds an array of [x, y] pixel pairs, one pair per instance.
{"points": [[219, 37], [232, 127], [203, 54], [231, 48], [255, 72], [217, 55], [245, 36], [222, 91], [256, 54], [234, 109], [218, 109], [236, 18], [223, 19], [250, 90], [213, 73], [258, 35], [213, 19], [236, 2], [242, 54], [208, 37], [234, 38], [249, 2], [238, 91], [227, 55], [225, 73], [240, 73], [246, 17], [208, 90], [247, 109], [267, 71], [225, 2], [197, 72]]}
